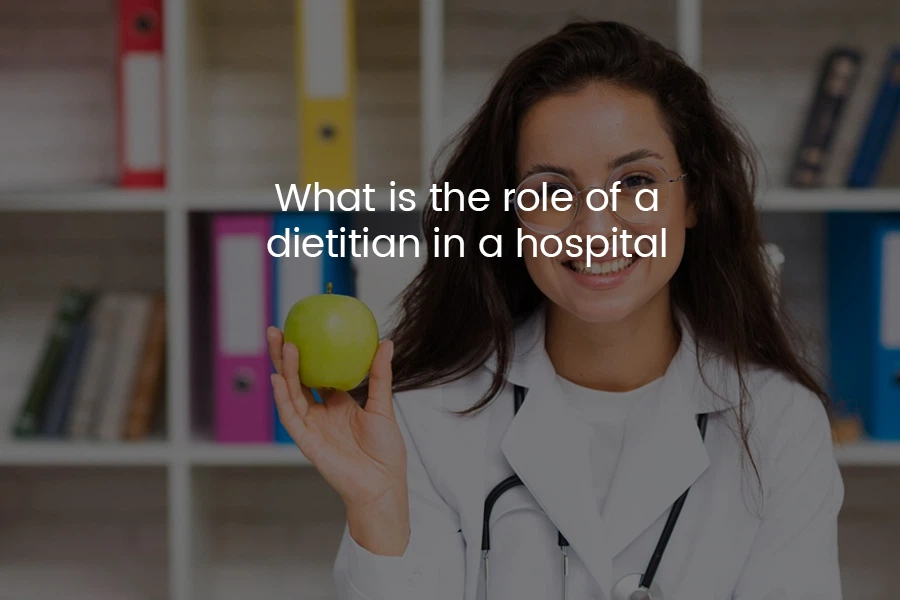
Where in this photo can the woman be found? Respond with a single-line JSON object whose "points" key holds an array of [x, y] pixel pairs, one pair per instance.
{"points": [[615, 363]]}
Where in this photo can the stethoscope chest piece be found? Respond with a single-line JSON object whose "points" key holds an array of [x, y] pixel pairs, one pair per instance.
{"points": [[629, 588]]}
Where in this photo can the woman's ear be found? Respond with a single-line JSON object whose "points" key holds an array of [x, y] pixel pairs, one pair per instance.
{"points": [[690, 215]]}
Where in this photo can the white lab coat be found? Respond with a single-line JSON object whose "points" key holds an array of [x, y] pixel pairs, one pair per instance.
{"points": [[734, 538]]}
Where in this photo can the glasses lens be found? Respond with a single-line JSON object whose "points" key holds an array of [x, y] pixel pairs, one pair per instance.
{"points": [[546, 203], [644, 190]]}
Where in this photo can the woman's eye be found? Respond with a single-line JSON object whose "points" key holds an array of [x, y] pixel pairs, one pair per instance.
{"points": [[555, 187], [636, 180]]}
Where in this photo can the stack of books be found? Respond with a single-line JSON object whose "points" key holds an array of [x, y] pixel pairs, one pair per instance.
{"points": [[101, 371]]}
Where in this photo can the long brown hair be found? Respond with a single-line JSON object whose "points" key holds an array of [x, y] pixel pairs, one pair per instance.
{"points": [[459, 311]]}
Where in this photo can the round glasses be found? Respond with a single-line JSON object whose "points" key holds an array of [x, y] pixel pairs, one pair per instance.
{"points": [[636, 193]]}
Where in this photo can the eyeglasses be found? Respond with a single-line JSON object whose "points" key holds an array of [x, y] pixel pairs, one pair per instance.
{"points": [[637, 193]]}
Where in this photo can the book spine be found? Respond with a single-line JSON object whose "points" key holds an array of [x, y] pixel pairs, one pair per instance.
{"points": [[96, 370], [131, 335], [72, 308], [874, 143], [60, 403], [149, 377], [836, 83]]}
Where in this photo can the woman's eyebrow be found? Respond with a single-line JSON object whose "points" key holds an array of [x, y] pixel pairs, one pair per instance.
{"points": [[549, 168], [624, 159], [632, 156]]}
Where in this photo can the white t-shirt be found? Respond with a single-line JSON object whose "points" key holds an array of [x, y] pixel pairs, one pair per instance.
{"points": [[606, 413]]}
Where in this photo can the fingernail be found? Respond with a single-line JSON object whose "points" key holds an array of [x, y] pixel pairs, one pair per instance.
{"points": [[390, 349], [272, 379]]}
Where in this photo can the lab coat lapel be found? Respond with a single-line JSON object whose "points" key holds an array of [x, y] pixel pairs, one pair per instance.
{"points": [[662, 453], [467, 489], [549, 448]]}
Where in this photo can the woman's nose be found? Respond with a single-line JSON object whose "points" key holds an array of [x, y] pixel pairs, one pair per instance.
{"points": [[599, 220]]}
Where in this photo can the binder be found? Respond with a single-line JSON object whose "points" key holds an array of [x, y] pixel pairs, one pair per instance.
{"points": [[864, 319], [836, 84], [326, 91], [886, 397], [140, 94], [295, 278], [243, 405], [882, 123]]}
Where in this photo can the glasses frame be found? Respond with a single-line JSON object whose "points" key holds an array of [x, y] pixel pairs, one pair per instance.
{"points": [[579, 196]]}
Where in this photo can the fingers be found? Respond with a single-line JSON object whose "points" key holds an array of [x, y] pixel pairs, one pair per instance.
{"points": [[298, 393], [276, 342], [287, 411], [380, 399]]}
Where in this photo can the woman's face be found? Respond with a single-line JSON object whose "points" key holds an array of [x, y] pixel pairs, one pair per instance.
{"points": [[584, 136]]}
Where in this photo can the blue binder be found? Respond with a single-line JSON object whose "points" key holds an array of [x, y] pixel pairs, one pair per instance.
{"points": [[880, 128], [295, 278], [864, 319]]}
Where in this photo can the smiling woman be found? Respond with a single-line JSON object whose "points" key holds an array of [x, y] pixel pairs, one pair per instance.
{"points": [[584, 427]]}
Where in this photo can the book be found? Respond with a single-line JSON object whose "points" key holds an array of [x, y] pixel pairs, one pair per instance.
{"points": [[129, 343], [73, 305], [836, 83], [97, 364], [876, 139], [60, 402], [149, 376]]}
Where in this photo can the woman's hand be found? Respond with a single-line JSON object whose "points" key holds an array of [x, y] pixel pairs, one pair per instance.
{"points": [[359, 451]]}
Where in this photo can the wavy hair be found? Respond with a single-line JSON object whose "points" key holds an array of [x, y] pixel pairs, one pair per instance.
{"points": [[459, 311]]}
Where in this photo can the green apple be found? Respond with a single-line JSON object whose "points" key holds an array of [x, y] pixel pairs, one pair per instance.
{"points": [[337, 337]]}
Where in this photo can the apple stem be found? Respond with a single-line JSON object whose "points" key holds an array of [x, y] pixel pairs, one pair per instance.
{"points": [[328, 287]]}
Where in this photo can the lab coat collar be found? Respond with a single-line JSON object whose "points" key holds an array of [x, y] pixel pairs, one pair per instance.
{"points": [[662, 454], [707, 377]]}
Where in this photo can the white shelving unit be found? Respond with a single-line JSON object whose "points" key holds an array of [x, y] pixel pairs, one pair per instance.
{"points": [[209, 80]]}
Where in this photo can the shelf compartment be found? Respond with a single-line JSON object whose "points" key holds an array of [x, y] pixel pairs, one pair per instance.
{"points": [[764, 68], [42, 254], [243, 99], [59, 99], [84, 533], [274, 528]]}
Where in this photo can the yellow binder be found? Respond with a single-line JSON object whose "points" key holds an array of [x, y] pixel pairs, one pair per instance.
{"points": [[326, 91]]}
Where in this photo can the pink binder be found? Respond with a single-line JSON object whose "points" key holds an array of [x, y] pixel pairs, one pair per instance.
{"points": [[243, 404]]}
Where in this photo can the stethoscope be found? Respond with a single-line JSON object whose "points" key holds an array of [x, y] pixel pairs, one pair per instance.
{"points": [[635, 586]]}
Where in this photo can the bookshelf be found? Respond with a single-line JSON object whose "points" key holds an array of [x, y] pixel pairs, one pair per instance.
{"points": [[425, 65]]}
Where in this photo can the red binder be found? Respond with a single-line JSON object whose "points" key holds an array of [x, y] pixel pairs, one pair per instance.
{"points": [[140, 97]]}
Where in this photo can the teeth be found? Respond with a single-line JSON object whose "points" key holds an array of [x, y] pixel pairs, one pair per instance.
{"points": [[602, 268]]}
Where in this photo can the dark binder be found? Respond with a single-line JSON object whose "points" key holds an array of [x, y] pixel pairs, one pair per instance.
{"points": [[837, 81]]}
